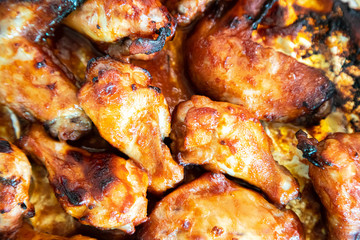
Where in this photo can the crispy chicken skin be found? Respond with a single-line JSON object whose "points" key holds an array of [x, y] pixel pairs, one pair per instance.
{"points": [[31, 83], [227, 138], [187, 11], [335, 176], [26, 232], [124, 27], [133, 116], [99, 189], [213, 207], [15, 174], [225, 64]]}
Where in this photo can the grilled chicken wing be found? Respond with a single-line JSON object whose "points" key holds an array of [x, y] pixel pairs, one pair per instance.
{"points": [[186, 11], [99, 189], [31, 83], [26, 232], [225, 64], [213, 207], [335, 175], [15, 174], [227, 138], [124, 27], [133, 116]]}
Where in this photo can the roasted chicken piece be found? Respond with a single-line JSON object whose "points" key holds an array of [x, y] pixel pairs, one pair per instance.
{"points": [[227, 138], [335, 174], [187, 11], [213, 207], [225, 64], [32, 84], [99, 189], [26, 232], [133, 116], [15, 174], [124, 27]]}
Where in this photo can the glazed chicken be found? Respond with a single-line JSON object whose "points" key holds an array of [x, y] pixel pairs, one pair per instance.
{"points": [[124, 27], [32, 84], [26, 232], [213, 207], [15, 174], [99, 189], [133, 116], [186, 11], [335, 174], [225, 64], [226, 138]]}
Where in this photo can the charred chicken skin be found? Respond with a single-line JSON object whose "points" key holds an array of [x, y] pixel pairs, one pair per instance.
{"points": [[124, 27], [99, 189], [213, 207], [15, 174], [225, 64], [133, 116], [32, 84], [227, 138], [335, 174]]}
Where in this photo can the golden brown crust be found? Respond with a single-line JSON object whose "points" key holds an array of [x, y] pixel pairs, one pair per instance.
{"points": [[99, 189], [133, 116], [213, 207], [335, 175], [15, 174], [227, 138], [124, 27], [225, 64]]}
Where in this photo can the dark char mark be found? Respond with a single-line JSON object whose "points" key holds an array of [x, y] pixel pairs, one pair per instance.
{"points": [[5, 147], [74, 196], [13, 182]]}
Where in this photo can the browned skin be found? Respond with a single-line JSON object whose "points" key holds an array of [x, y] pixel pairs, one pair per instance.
{"points": [[31, 82], [187, 11], [99, 189], [26, 232], [225, 64], [124, 27], [213, 207], [15, 174], [133, 116], [227, 138], [335, 175]]}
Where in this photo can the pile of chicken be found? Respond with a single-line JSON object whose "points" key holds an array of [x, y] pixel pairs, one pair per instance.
{"points": [[179, 119]]}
